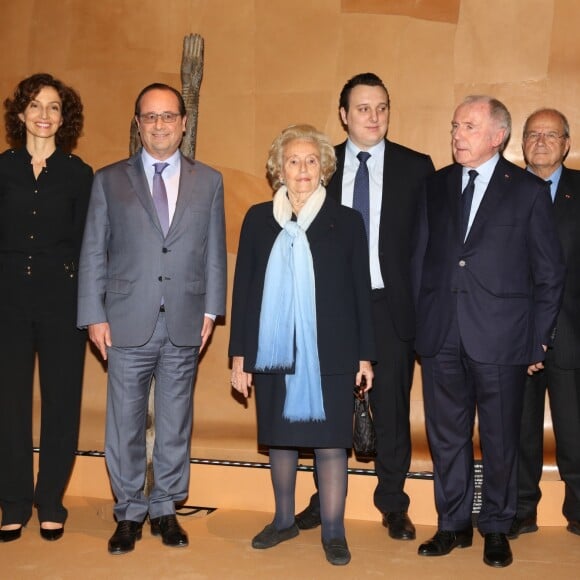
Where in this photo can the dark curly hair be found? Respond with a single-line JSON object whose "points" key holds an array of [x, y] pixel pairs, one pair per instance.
{"points": [[72, 111]]}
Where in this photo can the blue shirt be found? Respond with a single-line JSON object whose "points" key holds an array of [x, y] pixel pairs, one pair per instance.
{"points": [[554, 178]]}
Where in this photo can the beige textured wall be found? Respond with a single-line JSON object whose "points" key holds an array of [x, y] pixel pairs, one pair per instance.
{"points": [[269, 63]]}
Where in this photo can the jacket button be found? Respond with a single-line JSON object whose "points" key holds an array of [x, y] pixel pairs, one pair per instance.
{"points": [[462, 263], [165, 250], [160, 278]]}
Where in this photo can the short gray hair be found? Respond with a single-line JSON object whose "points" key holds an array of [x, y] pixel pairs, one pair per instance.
{"points": [[498, 112]]}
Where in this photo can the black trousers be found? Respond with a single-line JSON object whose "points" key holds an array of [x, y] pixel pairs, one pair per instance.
{"points": [[563, 387], [61, 349], [454, 387], [390, 403]]}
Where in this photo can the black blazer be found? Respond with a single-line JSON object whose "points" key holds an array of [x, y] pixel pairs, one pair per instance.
{"points": [[505, 283], [343, 298], [403, 175], [567, 211]]}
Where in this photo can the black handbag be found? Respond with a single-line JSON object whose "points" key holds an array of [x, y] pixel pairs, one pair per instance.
{"points": [[364, 438]]}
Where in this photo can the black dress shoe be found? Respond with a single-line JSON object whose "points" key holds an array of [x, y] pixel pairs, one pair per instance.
{"points": [[52, 535], [400, 525], [170, 531], [125, 536], [308, 518], [574, 527], [497, 551], [522, 526], [270, 536], [336, 551], [10, 535], [444, 541]]}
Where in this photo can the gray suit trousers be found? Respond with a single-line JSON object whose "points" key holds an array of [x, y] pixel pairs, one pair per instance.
{"points": [[129, 379]]}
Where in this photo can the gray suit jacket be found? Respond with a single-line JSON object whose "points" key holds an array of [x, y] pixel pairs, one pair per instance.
{"points": [[127, 266]]}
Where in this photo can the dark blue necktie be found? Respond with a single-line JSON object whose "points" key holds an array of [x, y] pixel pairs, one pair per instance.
{"points": [[160, 196], [360, 197], [466, 199]]}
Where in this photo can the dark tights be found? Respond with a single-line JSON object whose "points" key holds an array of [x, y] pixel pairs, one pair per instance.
{"points": [[331, 470]]}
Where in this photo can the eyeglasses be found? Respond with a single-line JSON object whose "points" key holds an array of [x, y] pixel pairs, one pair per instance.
{"points": [[550, 137], [166, 117]]}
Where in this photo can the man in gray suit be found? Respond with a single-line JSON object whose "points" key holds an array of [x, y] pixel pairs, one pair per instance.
{"points": [[152, 280]]}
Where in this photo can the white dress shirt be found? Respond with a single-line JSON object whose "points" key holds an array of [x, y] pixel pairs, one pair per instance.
{"points": [[375, 165]]}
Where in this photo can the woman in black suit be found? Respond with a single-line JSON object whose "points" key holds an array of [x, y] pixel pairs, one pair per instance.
{"points": [[301, 329], [44, 192]]}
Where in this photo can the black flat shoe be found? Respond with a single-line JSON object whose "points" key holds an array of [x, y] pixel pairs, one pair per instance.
{"points": [[574, 527], [400, 525], [336, 551], [522, 526], [309, 518], [172, 534], [270, 536], [10, 535], [125, 536], [496, 550], [52, 535], [444, 541]]}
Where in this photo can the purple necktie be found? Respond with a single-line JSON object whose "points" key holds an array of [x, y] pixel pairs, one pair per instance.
{"points": [[160, 196], [361, 193]]}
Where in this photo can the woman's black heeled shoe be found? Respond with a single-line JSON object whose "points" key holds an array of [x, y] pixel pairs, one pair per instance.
{"points": [[10, 535], [52, 535]]}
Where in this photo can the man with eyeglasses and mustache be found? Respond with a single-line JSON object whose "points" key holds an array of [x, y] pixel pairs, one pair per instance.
{"points": [[546, 143], [152, 280]]}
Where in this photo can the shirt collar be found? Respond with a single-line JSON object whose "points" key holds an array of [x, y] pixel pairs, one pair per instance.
{"points": [[149, 160], [554, 178], [485, 170], [376, 151]]}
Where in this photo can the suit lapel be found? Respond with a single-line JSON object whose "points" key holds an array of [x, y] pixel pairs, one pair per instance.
{"points": [[138, 181], [565, 197], [334, 188], [324, 222], [185, 193], [454, 197], [496, 189]]}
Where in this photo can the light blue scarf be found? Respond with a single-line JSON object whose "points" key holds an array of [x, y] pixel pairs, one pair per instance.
{"points": [[288, 314]]}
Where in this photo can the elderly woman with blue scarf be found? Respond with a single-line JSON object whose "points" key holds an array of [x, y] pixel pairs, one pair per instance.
{"points": [[301, 329]]}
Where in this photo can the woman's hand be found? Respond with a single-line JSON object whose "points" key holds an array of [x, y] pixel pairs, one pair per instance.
{"points": [[241, 381], [365, 371]]}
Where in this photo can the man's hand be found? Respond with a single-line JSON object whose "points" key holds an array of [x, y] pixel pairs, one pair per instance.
{"points": [[534, 368], [100, 335], [206, 331]]}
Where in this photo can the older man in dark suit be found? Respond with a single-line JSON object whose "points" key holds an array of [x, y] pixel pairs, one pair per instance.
{"points": [[489, 273], [152, 279], [389, 203], [546, 142]]}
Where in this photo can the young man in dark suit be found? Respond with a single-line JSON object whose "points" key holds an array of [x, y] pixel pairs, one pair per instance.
{"points": [[395, 177], [546, 142], [488, 273]]}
